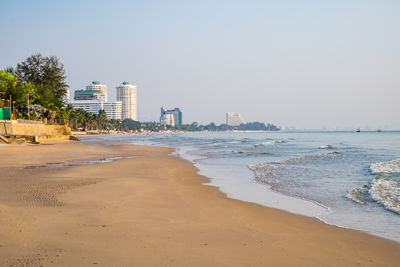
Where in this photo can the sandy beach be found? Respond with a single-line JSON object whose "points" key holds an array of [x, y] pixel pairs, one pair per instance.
{"points": [[149, 208]]}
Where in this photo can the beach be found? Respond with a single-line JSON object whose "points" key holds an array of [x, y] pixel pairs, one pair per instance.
{"points": [[116, 204]]}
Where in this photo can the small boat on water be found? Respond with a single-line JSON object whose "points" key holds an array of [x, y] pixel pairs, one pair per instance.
{"points": [[358, 130], [379, 130]]}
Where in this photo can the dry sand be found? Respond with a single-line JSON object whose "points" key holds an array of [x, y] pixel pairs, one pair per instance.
{"points": [[151, 210]]}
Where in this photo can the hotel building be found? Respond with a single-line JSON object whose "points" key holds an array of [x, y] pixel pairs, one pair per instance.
{"points": [[172, 117], [112, 109], [94, 91], [94, 98], [126, 93], [234, 119]]}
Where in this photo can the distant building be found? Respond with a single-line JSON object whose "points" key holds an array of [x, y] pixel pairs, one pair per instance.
{"points": [[234, 119], [126, 93], [168, 120], [112, 109], [67, 97], [94, 91], [172, 117]]}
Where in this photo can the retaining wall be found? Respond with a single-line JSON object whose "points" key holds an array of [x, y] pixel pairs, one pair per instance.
{"points": [[12, 127]]}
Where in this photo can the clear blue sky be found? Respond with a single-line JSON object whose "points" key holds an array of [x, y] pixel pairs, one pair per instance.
{"points": [[302, 63]]}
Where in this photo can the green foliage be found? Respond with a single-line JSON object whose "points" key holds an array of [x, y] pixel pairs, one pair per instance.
{"points": [[152, 126], [39, 79], [114, 124], [20, 94], [47, 74], [7, 83], [211, 127], [102, 120], [252, 126], [17, 90], [130, 125], [272, 127], [79, 118]]}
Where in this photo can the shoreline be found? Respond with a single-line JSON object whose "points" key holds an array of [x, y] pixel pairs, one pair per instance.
{"points": [[325, 210], [153, 209], [267, 187], [219, 179]]}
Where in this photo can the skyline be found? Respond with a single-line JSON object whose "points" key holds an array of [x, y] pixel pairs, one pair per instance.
{"points": [[307, 64]]}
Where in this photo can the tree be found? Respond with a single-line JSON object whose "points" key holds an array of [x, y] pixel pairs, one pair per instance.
{"points": [[210, 127], [17, 90], [130, 125], [90, 121], [21, 92], [77, 118], [7, 82], [102, 119], [47, 74], [225, 127], [272, 127], [253, 126], [115, 124]]}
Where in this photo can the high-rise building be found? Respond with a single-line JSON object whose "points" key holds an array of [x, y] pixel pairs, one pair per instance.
{"points": [[172, 117], [94, 91], [234, 119], [126, 93], [67, 97], [112, 109], [94, 98]]}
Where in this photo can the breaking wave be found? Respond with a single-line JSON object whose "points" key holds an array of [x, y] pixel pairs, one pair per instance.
{"points": [[274, 173], [274, 142], [359, 194], [392, 166], [326, 147], [387, 193], [384, 188], [257, 149], [307, 157]]}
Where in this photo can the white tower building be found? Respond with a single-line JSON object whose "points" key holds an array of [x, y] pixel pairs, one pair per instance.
{"points": [[126, 93], [112, 109], [234, 119], [94, 91]]}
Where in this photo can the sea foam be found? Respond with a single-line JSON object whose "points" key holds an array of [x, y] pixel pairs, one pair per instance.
{"points": [[392, 166], [387, 193]]}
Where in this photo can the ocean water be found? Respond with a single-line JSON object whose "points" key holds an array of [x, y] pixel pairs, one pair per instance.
{"points": [[346, 179]]}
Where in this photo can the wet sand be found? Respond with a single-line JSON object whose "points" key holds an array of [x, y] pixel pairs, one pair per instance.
{"points": [[152, 210]]}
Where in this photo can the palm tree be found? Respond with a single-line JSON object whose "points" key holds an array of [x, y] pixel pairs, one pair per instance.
{"points": [[102, 119]]}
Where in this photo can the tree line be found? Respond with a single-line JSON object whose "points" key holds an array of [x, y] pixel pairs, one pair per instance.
{"points": [[250, 126], [37, 88]]}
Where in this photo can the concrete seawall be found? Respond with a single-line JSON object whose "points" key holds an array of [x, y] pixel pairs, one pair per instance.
{"points": [[13, 127], [34, 131]]}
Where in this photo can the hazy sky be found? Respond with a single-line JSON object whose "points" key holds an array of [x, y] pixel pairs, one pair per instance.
{"points": [[299, 63]]}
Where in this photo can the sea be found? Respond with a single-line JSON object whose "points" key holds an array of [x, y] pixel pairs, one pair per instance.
{"points": [[347, 179]]}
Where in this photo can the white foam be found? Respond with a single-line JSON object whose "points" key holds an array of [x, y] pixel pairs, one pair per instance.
{"points": [[355, 194], [237, 182], [386, 192], [242, 187], [326, 147], [392, 166], [273, 142]]}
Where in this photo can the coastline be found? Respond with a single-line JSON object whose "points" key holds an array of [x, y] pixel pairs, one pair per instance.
{"points": [[276, 199], [211, 154], [153, 209], [264, 194]]}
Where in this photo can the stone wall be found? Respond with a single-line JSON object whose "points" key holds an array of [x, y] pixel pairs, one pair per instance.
{"points": [[12, 127]]}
